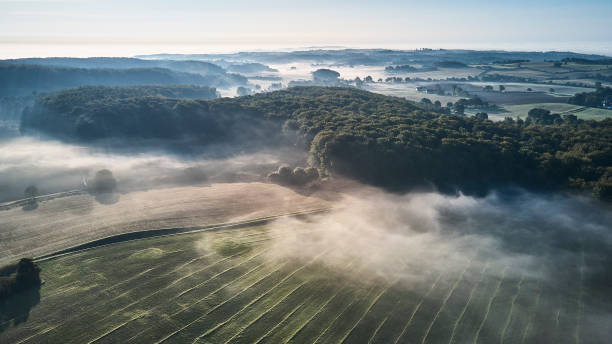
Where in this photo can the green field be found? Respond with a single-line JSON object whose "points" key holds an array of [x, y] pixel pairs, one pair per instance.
{"points": [[580, 111], [223, 287]]}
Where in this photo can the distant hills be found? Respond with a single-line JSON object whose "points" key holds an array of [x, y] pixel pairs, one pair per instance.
{"points": [[380, 56], [24, 76]]}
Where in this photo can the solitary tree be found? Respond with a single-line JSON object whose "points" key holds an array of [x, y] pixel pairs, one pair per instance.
{"points": [[104, 182], [325, 75], [459, 108], [482, 116], [30, 193]]}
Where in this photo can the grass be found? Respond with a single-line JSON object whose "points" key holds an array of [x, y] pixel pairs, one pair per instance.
{"points": [[223, 287]]}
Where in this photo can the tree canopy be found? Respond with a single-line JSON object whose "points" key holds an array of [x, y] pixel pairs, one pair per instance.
{"points": [[385, 141]]}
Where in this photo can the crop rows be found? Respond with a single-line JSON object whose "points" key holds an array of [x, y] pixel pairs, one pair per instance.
{"points": [[171, 290]]}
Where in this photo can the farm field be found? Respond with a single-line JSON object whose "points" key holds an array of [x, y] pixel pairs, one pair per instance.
{"points": [[67, 221], [230, 287], [559, 90], [408, 91], [580, 111]]}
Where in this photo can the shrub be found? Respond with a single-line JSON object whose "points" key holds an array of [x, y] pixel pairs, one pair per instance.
{"points": [[18, 277], [298, 176]]}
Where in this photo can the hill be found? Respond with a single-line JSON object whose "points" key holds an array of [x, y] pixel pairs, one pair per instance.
{"points": [[100, 94], [377, 139], [200, 67], [22, 79]]}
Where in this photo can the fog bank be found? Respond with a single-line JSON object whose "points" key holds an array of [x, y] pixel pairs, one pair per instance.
{"points": [[53, 166], [554, 247]]}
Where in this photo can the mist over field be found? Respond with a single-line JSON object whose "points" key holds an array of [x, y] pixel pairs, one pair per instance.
{"points": [[53, 166], [339, 172], [557, 243]]}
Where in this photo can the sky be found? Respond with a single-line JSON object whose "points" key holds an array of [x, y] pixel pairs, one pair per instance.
{"points": [[128, 27]]}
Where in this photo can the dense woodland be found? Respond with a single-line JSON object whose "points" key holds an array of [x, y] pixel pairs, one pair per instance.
{"points": [[381, 140], [24, 79], [601, 97]]}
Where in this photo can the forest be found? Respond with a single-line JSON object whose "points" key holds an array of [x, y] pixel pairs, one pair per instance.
{"points": [[23, 79], [602, 97], [382, 140]]}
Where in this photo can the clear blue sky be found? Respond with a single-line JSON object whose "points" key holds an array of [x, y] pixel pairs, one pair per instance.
{"points": [[230, 25]]}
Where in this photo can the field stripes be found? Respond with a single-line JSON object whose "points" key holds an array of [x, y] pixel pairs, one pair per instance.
{"points": [[92, 295], [367, 310], [345, 319], [308, 289], [156, 285], [217, 331], [171, 290], [314, 315], [153, 284], [218, 306], [271, 318], [197, 301], [527, 329], [282, 322], [489, 304], [416, 309], [521, 308], [468, 303], [371, 323], [148, 312], [512, 305], [267, 292]]}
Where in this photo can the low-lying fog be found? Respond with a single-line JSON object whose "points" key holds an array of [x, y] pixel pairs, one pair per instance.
{"points": [[557, 248], [53, 166], [559, 242]]}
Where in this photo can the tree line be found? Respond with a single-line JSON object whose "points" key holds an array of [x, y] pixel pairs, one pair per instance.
{"points": [[381, 140]]}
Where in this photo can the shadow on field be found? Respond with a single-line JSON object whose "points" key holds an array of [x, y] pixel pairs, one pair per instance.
{"points": [[15, 309], [30, 206]]}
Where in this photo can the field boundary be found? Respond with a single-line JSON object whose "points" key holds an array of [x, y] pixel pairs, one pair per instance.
{"points": [[162, 232], [41, 198]]}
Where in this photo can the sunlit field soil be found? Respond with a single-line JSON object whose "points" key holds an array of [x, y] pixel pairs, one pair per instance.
{"points": [[67, 221], [230, 287]]}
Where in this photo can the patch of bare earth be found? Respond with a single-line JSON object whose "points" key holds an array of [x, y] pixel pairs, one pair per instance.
{"points": [[68, 221]]}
